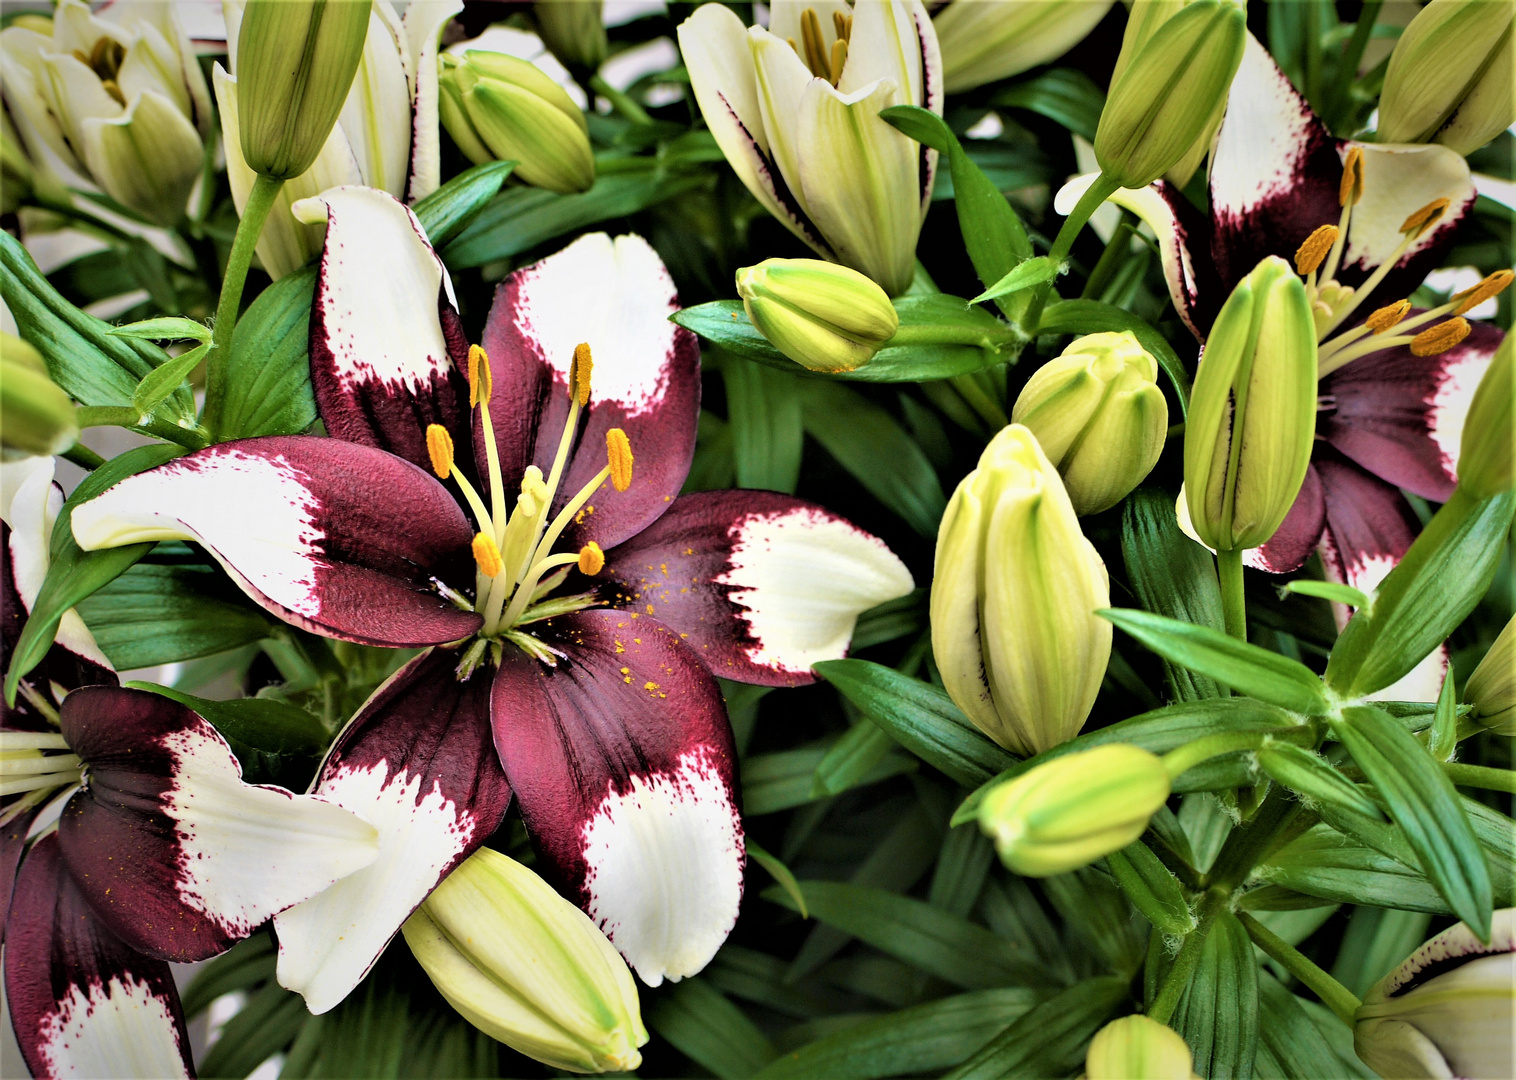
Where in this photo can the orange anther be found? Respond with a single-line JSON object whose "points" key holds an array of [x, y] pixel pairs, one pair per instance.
{"points": [[1491, 286], [1440, 338], [579, 373], [486, 555], [619, 454], [439, 447], [1350, 189], [1388, 316], [591, 559], [1314, 249], [1424, 218]]}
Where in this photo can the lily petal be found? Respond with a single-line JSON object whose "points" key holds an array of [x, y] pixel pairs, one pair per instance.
{"points": [[1398, 181], [82, 1002], [624, 764], [1298, 534], [12, 846], [176, 853], [148, 158], [616, 296], [341, 539], [423, 24], [376, 117], [760, 585], [417, 761]]}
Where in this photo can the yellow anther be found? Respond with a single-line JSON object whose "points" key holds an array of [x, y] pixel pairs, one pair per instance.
{"points": [[579, 373], [1388, 316], [842, 24], [1424, 218], [591, 559], [619, 451], [1491, 286], [486, 555], [480, 384], [1440, 338], [439, 447], [1350, 189], [1315, 248], [839, 58]]}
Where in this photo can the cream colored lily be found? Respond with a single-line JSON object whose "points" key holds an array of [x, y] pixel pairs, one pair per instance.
{"points": [[795, 109]]}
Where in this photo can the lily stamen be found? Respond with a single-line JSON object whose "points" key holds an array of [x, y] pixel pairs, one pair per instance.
{"points": [[481, 389], [1440, 338], [439, 446]]}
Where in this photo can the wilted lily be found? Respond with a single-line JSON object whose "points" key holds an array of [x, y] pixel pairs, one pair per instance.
{"points": [[572, 629], [795, 109]]}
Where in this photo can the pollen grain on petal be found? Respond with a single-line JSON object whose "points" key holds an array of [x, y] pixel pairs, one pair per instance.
{"points": [[486, 555], [591, 559], [439, 447], [1490, 287], [1440, 338], [1423, 219], [619, 452], [1314, 249], [1350, 189], [579, 373], [1388, 316]]}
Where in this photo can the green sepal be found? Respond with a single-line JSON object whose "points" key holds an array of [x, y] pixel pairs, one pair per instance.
{"points": [[1302, 771]]}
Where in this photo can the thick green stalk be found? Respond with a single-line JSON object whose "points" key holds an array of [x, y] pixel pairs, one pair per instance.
{"points": [[1479, 776], [1233, 602], [1089, 202], [1112, 259], [1333, 994]]}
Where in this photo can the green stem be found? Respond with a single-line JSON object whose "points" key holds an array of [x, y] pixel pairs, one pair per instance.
{"points": [[1278, 820], [1112, 258], [1184, 758], [1088, 203], [1178, 977], [259, 202], [1233, 602], [82, 456], [124, 416], [1332, 993], [106, 416], [620, 101], [1478, 776], [949, 334], [1347, 66]]}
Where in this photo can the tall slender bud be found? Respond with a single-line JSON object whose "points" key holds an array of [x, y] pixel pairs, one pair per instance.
{"points": [[1484, 458], [1014, 597], [1491, 690], [823, 316], [573, 30], [1099, 416], [1138, 1048], [36, 417], [984, 41], [1252, 420]]}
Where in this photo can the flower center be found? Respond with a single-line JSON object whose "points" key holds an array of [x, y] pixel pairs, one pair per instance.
{"points": [[824, 63], [105, 60], [35, 764]]}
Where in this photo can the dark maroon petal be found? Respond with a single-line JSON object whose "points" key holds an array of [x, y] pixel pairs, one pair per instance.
{"points": [[175, 852], [418, 762], [344, 540], [82, 1002], [1401, 416], [760, 585], [616, 297], [623, 761], [387, 347], [1298, 534], [12, 844]]}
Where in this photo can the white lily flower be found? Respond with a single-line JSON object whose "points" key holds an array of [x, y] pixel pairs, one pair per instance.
{"points": [[795, 109]]}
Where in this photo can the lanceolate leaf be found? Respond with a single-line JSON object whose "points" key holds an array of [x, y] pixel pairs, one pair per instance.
{"points": [[1051, 1039], [1218, 1015], [448, 210], [1300, 770], [1022, 276], [1342, 869], [780, 873], [1064, 95], [1152, 888], [763, 407], [710, 1030]]}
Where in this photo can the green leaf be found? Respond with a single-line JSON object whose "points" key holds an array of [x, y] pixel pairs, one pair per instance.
{"points": [[1287, 1033], [1423, 599], [852, 759], [1099, 915], [1328, 590], [1173, 576], [74, 573], [1326, 864], [166, 378], [779, 872], [1443, 741], [167, 328], [246, 964], [1152, 888], [1423, 802], [763, 408], [1245, 668], [1063, 95], [448, 210], [709, 1030], [916, 933], [962, 868], [1031, 272], [1093, 317], [269, 1021], [161, 614], [1051, 1039], [1307, 773], [1218, 1014], [1376, 942], [782, 781], [920, 717], [268, 384]]}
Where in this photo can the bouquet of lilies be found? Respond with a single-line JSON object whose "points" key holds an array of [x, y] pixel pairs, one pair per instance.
{"points": [[829, 539]]}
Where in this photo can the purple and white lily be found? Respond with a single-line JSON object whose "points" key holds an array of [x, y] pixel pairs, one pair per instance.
{"points": [[593, 701]]}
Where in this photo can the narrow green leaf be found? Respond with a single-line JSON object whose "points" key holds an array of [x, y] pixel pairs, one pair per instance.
{"points": [[1218, 1014], [1052, 1038], [852, 759], [1152, 888], [1034, 271], [1093, 317], [1301, 770], [1328, 590], [1443, 741], [1326, 864], [268, 387], [1376, 942], [780, 873], [962, 868], [161, 614], [1287, 1033], [243, 966], [709, 1030], [781, 781], [448, 210], [266, 1025], [166, 378], [1064, 95], [167, 328], [763, 408]]}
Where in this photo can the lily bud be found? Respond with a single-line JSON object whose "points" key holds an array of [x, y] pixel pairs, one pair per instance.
{"points": [[573, 30], [36, 417], [1492, 687], [1446, 1011], [1099, 416], [1484, 458], [984, 41], [295, 62], [1137, 1048], [823, 316], [1168, 92], [527, 967], [1449, 79], [1014, 597], [498, 107], [1252, 419], [1075, 809]]}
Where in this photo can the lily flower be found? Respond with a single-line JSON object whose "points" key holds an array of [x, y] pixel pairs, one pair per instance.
{"points": [[795, 109], [571, 629], [1364, 223]]}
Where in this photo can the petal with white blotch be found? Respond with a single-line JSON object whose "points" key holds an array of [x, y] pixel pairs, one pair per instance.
{"points": [[83, 1002], [760, 585], [624, 765], [1398, 181], [423, 25], [615, 296], [340, 539], [417, 762], [386, 343], [1298, 534], [175, 852]]}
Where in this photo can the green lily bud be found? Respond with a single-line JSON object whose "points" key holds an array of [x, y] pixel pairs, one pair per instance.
{"points": [[1168, 91], [823, 316], [1137, 1048], [497, 107], [1492, 687], [36, 417], [295, 62], [1252, 419], [527, 967], [1484, 458], [1099, 416], [1070, 811], [1014, 597], [984, 41], [573, 30], [1449, 79]]}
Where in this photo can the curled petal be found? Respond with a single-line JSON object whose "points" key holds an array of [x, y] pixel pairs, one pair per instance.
{"points": [[423, 25], [1298, 534]]}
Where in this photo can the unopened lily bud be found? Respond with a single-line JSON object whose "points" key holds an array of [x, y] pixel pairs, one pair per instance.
{"points": [[1446, 1011], [984, 41], [295, 63], [1252, 420], [1168, 92], [1099, 416], [1449, 79], [1070, 811], [527, 967], [1137, 1048], [1492, 687], [36, 417], [1484, 458], [499, 107], [573, 30], [823, 316], [1014, 597]]}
